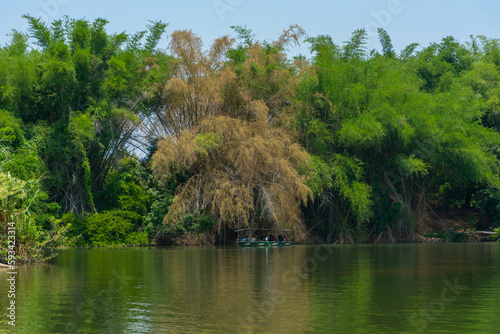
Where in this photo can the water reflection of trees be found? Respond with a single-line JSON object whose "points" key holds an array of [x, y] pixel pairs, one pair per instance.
{"points": [[339, 289]]}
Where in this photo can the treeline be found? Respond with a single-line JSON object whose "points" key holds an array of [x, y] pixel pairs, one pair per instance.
{"points": [[107, 140]]}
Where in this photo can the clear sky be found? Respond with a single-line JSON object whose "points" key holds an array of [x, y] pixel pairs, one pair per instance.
{"points": [[407, 21]]}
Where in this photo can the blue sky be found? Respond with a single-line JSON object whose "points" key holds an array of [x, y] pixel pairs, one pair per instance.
{"points": [[407, 21]]}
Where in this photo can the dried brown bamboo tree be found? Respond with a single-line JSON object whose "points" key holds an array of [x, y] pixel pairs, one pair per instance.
{"points": [[245, 173], [222, 122], [194, 91], [205, 83]]}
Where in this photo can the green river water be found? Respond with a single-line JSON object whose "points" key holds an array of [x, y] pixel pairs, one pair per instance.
{"points": [[390, 288]]}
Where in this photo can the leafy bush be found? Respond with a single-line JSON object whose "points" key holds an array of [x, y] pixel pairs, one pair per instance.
{"points": [[192, 229], [11, 134], [153, 221], [114, 227], [19, 202], [124, 188]]}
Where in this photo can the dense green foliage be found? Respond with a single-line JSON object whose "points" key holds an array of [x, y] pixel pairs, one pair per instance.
{"points": [[403, 135], [69, 111], [350, 145]]}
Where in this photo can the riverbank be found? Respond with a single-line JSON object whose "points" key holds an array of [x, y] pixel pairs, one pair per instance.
{"points": [[457, 226], [440, 227]]}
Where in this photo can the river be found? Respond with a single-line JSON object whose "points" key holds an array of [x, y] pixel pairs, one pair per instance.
{"points": [[388, 288]]}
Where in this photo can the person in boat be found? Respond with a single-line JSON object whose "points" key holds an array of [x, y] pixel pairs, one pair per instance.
{"points": [[273, 238], [253, 238], [244, 239], [280, 238]]}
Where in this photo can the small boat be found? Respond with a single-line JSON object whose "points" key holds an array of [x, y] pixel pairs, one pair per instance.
{"points": [[263, 243], [246, 242]]}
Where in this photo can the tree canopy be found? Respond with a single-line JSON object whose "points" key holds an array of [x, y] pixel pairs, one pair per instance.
{"points": [[123, 142]]}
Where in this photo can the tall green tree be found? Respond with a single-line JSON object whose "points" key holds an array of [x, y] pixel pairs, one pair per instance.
{"points": [[88, 87]]}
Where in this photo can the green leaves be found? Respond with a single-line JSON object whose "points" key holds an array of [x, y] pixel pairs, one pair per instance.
{"points": [[113, 227], [124, 189], [39, 31], [206, 142], [19, 202], [156, 30], [385, 41], [320, 176], [11, 134], [355, 48], [361, 132], [244, 35], [411, 165], [348, 173], [82, 128]]}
